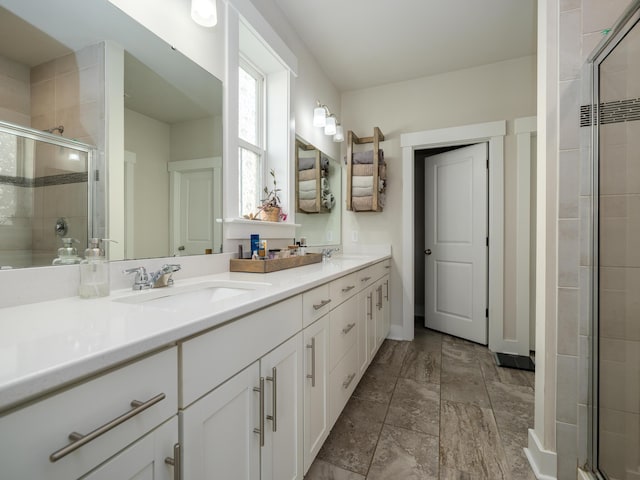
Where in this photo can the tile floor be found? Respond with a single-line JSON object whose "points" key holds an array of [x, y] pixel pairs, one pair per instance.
{"points": [[434, 408]]}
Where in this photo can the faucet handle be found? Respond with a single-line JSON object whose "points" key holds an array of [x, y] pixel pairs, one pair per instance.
{"points": [[142, 278], [171, 267]]}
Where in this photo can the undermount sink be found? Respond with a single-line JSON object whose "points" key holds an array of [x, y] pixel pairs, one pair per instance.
{"points": [[191, 295]]}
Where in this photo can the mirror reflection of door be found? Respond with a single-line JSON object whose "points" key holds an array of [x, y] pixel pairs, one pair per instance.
{"points": [[196, 201]]}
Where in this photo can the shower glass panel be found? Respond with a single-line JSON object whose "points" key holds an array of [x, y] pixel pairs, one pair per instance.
{"points": [[617, 284], [44, 195]]}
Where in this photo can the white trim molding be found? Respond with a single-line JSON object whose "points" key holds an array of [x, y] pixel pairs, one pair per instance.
{"points": [[543, 462], [493, 133]]}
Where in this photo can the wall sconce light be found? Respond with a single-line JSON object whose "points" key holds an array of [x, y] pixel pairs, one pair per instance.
{"points": [[204, 12], [322, 117]]}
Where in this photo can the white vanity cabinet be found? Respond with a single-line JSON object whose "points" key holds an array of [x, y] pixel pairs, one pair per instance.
{"points": [[250, 424], [316, 388], [70, 433]]}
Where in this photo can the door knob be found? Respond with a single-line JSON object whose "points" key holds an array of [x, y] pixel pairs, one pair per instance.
{"points": [[427, 251]]}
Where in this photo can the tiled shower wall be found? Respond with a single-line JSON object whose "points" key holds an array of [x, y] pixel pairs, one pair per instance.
{"points": [[582, 24]]}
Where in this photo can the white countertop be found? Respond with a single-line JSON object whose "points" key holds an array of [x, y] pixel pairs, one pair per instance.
{"points": [[44, 346]]}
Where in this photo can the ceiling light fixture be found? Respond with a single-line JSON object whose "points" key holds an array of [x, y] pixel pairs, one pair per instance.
{"points": [[204, 12], [322, 117]]}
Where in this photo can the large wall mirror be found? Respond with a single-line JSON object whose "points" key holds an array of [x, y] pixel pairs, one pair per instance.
{"points": [[104, 130], [318, 199]]}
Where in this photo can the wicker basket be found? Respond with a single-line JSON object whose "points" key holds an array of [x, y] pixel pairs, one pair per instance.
{"points": [[269, 214]]}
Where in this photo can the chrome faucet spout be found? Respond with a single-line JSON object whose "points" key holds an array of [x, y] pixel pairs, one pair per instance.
{"points": [[161, 278]]}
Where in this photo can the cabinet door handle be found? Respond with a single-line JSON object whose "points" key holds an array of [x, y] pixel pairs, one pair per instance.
{"points": [[370, 302], [348, 328], [175, 462], [260, 429], [313, 362], [386, 283], [348, 289], [79, 440], [387, 266], [318, 306], [379, 303], [274, 398], [348, 381], [365, 279]]}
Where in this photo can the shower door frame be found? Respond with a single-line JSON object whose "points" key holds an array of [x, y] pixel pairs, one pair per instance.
{"points": [[627, 21], [46, 137]]}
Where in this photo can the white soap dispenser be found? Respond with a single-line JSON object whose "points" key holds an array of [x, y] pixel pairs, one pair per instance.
{"points": [[94, 272], [67, 254]]}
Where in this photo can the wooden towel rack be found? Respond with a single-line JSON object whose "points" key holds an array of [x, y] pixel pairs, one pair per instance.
{"points": [[352, 139]]}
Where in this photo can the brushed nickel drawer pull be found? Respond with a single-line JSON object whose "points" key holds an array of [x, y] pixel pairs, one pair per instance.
{"points": [[370, 301], [387, 266], [348, 381], [348, 289], [260, 430], [365, 279], [78, 440], [386, 283], [379, 303], [318, 306], [274, 398], [175, 462], [313, 361], [348, 328]]}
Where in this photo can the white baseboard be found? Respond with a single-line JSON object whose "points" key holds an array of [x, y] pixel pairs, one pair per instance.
{"points": [[396, 332], [582, 475], [543, 462]]}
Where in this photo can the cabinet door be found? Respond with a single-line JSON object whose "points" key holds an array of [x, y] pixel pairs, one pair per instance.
{"points": [[363, 329], [282, 456], [145, 459], [316, 398], [218, 438], [386, 306]]}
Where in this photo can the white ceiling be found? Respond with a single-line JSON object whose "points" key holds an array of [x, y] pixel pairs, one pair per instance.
{"points": [[363, 43]]}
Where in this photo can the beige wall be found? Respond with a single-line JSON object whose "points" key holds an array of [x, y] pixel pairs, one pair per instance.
{"points": [[15, 95], [200, 138], [500, 91], [149, 139]]}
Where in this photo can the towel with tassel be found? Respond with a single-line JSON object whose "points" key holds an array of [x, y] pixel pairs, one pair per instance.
{"points": [[366, 158], [361, 191], [306, 163], [362, 170], [307, 185], [362, 182]]}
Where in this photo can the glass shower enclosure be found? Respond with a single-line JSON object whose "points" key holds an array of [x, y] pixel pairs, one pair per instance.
{"points": [[44, 195], [615, 426]]}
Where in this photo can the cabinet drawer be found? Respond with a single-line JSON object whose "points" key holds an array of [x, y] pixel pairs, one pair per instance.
{"points": [[343, 288], [343, 330], [343, 381], [383, 268], [366, 276], [31, 435], [211, 358], [315, 303]]}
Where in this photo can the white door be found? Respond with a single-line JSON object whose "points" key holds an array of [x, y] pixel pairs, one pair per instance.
{"points": [[316, 395], [456, 252], [196, 202], [145, 459], [282, 457], [218, 437]]}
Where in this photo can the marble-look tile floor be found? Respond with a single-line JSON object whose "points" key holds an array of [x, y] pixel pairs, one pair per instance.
{"points": [[434, 408]]}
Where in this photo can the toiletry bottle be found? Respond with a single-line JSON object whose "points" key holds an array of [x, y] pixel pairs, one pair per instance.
{"points": [[94, 272], [67, 254], [255, 242]]}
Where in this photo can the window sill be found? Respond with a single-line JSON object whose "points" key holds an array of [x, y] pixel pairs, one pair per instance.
{"points": [[241, 228]]}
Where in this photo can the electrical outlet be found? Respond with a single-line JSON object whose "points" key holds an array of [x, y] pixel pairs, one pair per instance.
{"points": [[354, 236], [329, 235]]}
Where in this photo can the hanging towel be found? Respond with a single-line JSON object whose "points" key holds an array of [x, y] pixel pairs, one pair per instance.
{"points": [[362, 170], [306, 163], [324, 162], [328, 200], [362, 182], [382, 184], [307, 194], [382, 171], [362, 204], [361, 191], [366, 158], [308, 206], [307, 185], [310, 174]]}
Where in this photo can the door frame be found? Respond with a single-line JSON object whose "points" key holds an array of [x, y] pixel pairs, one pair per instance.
{"points": [[493, 133]]}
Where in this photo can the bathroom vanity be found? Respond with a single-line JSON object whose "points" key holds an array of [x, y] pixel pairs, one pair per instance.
{"points": [[232, 375]]}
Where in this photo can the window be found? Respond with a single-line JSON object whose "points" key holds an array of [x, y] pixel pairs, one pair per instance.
{"points": [[251, 136]]}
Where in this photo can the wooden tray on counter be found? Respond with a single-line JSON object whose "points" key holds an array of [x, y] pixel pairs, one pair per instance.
{"points": [[266, 266]]}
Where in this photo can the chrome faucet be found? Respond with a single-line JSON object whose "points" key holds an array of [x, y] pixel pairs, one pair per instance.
{"points": [[161, 278], [327, 252]]}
